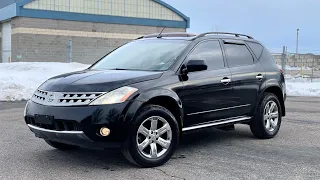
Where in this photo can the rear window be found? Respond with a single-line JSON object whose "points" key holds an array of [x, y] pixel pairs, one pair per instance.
{"points": [[256, 48]]}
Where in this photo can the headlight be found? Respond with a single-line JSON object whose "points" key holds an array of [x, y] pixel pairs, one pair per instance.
{"points": [[116, 96]]}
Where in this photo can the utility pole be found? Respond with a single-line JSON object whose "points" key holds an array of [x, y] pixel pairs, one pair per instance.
{"points": [[297, 45], [312, 67], [297, 52], [283, 60]]}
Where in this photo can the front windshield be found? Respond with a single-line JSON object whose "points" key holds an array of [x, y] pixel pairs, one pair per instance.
{"points": [[149, 55]]}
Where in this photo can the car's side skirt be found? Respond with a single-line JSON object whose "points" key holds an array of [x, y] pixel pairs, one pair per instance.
{"points": [[217, 123]]}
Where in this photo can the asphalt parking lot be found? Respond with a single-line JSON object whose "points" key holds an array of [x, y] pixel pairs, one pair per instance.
{"points": [[202, 154]]}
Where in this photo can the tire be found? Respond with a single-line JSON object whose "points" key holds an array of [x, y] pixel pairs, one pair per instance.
{"points": [[61, 146], [167, 129], [266, 124]]}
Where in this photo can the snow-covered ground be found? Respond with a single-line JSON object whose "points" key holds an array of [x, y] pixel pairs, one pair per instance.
{"points": [[18, 81], [302, 87]]}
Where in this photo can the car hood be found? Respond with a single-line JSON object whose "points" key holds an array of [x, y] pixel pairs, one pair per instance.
{"points": [[96, 80]]}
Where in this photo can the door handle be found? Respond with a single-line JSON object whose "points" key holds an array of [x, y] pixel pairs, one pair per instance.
{"points": [[259, 76], [225, 81]]}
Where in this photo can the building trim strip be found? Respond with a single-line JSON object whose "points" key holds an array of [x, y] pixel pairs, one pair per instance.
{"points": [[55, 32], [8, 12], [20, 11]]}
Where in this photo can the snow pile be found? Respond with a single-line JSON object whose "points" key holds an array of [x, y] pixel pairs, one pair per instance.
{"points": [[302, 87], [19, 80]]}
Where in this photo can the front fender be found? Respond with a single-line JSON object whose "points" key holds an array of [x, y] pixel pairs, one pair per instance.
{"points": [[144, 97]]}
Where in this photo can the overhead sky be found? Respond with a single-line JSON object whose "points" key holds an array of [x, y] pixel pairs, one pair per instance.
{"points": [[273, 22]]}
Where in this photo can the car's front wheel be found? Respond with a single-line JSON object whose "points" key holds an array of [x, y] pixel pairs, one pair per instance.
{"points": [[154, 137], [267, 121]]}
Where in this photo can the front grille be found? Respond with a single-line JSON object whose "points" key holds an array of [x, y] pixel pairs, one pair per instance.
{"points": [[40, 95], [57, 125], [78, 98], [64, 98]]}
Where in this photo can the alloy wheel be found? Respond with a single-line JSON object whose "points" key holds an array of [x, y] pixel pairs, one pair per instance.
{"points": [[154, 137], [271, 116]]}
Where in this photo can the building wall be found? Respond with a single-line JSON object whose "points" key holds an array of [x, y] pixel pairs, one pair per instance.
{"points": [[47, 39], [308, 60], [0, 43]]}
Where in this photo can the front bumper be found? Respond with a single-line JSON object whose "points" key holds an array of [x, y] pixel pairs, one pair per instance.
{"points": [[79, 125], [77, 138]]}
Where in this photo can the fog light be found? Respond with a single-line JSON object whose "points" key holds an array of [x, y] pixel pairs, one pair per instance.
{"points": [[104, 131]]}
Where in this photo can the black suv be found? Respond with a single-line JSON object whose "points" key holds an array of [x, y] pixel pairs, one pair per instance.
{"points": [[142, 96]]}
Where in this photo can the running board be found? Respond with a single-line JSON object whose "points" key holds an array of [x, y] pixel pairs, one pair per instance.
{"points": [[221, 122]]}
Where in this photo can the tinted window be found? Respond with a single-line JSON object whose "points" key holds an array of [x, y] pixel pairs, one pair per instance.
{"points": [[149, 55], [210, 51], [266, 55], [256, 48], [238, 55]]}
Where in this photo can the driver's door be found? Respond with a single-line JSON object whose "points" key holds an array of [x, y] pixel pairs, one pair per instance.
{"points": [[207, 95]]}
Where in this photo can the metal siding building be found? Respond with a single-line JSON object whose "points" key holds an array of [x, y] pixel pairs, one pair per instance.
{"points": [[40, 30]]}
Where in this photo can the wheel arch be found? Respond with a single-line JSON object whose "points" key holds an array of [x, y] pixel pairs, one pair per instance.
{"points": [[169, 103], [276, 90], [166, 98]]}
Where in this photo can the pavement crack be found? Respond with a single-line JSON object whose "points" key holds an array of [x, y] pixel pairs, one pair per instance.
{"points": [[172, 176]]}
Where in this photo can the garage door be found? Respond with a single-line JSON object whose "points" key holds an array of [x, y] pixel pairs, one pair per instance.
{"points": [[6, 42]]}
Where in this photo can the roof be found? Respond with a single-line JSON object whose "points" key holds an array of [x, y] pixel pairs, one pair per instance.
{"points": [[14, 8]]}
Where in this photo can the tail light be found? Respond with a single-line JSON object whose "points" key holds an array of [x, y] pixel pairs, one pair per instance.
{"points": [[281, 71]]}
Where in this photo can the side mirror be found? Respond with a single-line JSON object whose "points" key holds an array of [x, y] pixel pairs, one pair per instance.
{"points": [[196, 65]]}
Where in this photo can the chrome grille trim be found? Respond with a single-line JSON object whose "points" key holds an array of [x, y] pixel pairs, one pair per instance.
{"points": [[64, 98]]}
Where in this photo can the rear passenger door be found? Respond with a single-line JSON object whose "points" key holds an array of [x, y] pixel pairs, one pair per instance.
{"points": [[247, 75]]}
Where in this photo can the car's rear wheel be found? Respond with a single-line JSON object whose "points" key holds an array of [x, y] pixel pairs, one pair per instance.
{"points": [[154, 137], [267, 121], [61, 146]]}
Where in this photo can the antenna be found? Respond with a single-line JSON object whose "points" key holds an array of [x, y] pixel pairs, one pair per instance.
{"points": [[159, 36]]}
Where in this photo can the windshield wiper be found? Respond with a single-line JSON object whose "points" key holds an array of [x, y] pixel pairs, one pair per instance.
{"points": [[119, 69], [131, 69]]}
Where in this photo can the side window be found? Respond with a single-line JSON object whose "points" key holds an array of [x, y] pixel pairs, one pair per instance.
{"points": [[238, 55], [256, 48], [211, 52]]}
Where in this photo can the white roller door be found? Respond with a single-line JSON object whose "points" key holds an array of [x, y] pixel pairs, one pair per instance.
{"points": [[6, 42]]}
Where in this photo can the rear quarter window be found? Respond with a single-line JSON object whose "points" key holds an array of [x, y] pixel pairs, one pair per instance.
{"points": [[267, 58], [256, 48]]}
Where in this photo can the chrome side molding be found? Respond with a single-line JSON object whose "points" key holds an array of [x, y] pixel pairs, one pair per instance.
{"points": [[220, 122], [214, 110]]}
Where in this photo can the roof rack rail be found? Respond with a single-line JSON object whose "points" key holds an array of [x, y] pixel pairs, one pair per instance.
{"points": [[173, 34], [227, 33]]}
